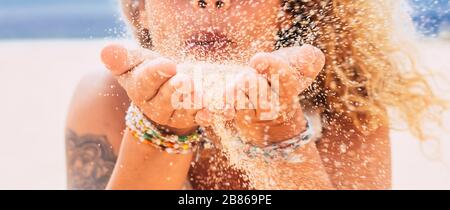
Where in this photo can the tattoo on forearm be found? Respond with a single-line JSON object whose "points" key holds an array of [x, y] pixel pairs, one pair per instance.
{"points": [[90, 161]]}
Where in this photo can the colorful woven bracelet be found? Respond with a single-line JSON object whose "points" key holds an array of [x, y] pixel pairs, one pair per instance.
{"points": [[283, 149], [143, 130]]}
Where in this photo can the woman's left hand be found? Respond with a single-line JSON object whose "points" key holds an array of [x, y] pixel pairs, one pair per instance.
{"points": [[269, 121]]}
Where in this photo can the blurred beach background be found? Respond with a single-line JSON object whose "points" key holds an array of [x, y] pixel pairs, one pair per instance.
{"points": [[46, 46]]}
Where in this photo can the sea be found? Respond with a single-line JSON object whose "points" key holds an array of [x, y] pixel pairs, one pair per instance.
{"points": [[49, 19]]}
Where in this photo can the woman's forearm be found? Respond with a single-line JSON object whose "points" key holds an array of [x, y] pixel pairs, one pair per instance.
{"points": [[141, 166], [303, 171]]}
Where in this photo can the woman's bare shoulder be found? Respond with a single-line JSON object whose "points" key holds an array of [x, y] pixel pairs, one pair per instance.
{"points": [[95, 122], [98, 107], [99, 87]]}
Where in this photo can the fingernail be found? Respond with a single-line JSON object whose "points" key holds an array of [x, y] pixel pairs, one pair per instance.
{"points": [[263, 64], [166, 72], [260, 61], [319, 58], [114, 57], [169, 69]]}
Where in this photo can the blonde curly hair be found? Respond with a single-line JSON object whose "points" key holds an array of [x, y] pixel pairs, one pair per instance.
{"points": [[366, 71], [363, 76]]}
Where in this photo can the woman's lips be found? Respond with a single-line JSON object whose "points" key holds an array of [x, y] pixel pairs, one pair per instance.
{"points": [[208, 42]]}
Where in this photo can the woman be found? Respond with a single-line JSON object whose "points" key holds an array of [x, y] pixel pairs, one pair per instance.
{"points": [[349, 86]]}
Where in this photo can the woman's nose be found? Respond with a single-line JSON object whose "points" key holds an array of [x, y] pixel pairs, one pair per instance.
{"points": [[212, 4]]}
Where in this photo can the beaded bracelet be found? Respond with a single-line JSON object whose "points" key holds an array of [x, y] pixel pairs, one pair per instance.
{"points": [[143, 130], [283, 149]]}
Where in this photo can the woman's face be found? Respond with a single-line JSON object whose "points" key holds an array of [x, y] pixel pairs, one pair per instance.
{"points": [[212, 30]]}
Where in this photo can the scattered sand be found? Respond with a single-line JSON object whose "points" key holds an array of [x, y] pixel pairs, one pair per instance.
{"points": [[38, 78]]}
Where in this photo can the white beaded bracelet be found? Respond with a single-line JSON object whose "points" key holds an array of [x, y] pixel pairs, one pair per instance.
{"points": [[284, 149]]}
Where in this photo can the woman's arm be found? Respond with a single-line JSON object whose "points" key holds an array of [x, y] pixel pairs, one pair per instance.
{"points": [[305, 173], [301, 169], [150, 81], [342, 159], [94, 126], [141, 166], [289, 71], [94, 132]]}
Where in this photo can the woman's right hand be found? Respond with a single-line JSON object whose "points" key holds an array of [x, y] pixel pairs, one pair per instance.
{"points": [[150, 81]]}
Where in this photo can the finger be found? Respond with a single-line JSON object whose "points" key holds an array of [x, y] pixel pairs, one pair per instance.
{"points": [[265, 111], [183, 118], [143, 83], [186, 116], [162, 107], [262, 134], [226, 108], [203, 118], [307, 59], [120, 60], [251, 130], [251, 95], [284, 80], [248, 92]]}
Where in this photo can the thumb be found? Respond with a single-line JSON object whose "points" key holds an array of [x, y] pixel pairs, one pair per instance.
{"points": [[119, 60]]}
